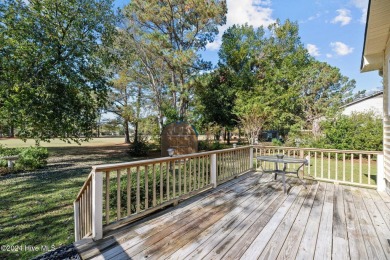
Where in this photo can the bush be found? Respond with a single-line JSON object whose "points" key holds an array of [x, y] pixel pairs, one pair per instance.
{"points": [[360, 131], [276, 142], [203, 145], [30, 158], [139, 148]]}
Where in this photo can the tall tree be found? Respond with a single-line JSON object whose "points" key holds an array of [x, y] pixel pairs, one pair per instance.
{"points": [[323, 87], [176, 30], [121, 101], [53, 60]]}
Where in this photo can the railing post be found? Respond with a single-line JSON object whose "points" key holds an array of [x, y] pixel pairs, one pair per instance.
{"points": [[76, 206], [213, 169], [380, 176], [97, 205], [251, 158]]}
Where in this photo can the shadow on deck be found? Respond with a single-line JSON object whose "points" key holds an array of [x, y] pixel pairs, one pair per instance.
{"points": [[250, 217]]}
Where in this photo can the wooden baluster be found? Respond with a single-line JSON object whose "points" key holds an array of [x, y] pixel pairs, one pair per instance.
{"points": [[207, 170], [180, 184], [85, 195], [369, 169], [190, 176], [107, 197], [146, 176], [352, 167], [185, 176], [128, 188], [337, 167], [343, 166], [154, 185], [203, 172], [118, 194], [82, 216], [328, 165], [89, 208], [322, 165], [138, 195], [198, 172], [173, 171], [360, 168], [167, 166], [161, 184], [315, 164]]}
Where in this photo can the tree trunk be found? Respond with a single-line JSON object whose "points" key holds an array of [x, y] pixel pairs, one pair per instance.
{"points": [[11, 131], [127, 134], [136, 132], [228, 137]]}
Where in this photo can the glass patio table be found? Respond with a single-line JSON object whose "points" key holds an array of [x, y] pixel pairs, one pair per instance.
{"points": [[285, 160]]}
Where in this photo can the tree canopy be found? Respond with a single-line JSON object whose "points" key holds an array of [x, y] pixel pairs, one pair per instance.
{"points": [[269, 77], [53, 65]]}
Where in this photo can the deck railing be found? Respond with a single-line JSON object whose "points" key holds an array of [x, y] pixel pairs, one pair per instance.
{"points": [[363, 168], [115, 194]]}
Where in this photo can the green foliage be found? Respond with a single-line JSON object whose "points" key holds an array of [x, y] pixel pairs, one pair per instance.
{"points": [[360, 131], [276, 142], [139, 148], [30, 158], [168, 36], [269, 80], [53, 61]]}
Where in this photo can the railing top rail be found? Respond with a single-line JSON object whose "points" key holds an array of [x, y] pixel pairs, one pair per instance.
{"points": [[319, 149], [116, 166]]}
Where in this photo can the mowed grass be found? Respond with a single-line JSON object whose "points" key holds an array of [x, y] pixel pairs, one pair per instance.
{"points": [[36, 209], [101, 141]]}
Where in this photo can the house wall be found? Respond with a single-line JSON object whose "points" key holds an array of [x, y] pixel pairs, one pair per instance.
{"points": [[375, 104], [386, 118]]}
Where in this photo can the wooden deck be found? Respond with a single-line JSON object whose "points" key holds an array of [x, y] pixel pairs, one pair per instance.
{"points": [[251, 218]]}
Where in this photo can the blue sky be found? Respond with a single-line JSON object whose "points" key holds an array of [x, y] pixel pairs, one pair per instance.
{"points": [[331, 30]]}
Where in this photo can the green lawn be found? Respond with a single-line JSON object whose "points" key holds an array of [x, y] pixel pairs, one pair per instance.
{"points": [[36, 208], [328, 168], [101, 141]]}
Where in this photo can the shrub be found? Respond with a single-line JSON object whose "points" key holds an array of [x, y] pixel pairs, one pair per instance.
{"points": [[276, 142], [32, 158], [203, 145], [139, 148], [216, 146], [360, 131]]}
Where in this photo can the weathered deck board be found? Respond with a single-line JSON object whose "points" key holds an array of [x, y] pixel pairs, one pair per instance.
{"points": [[291, 244], [379, 224], [307, 246], [209, 239], [340, 238], [357, 248], [373, 245], [324, 240], [250, 217]]}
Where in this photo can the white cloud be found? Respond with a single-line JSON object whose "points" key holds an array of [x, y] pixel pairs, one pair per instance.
{"points": [[252, 12], [328, 55], [343, 18], [362, 5], [341, 48], [313, 50]]}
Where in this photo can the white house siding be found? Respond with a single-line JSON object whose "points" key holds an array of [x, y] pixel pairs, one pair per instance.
{"points": [[386, 118], [374, 104]]}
